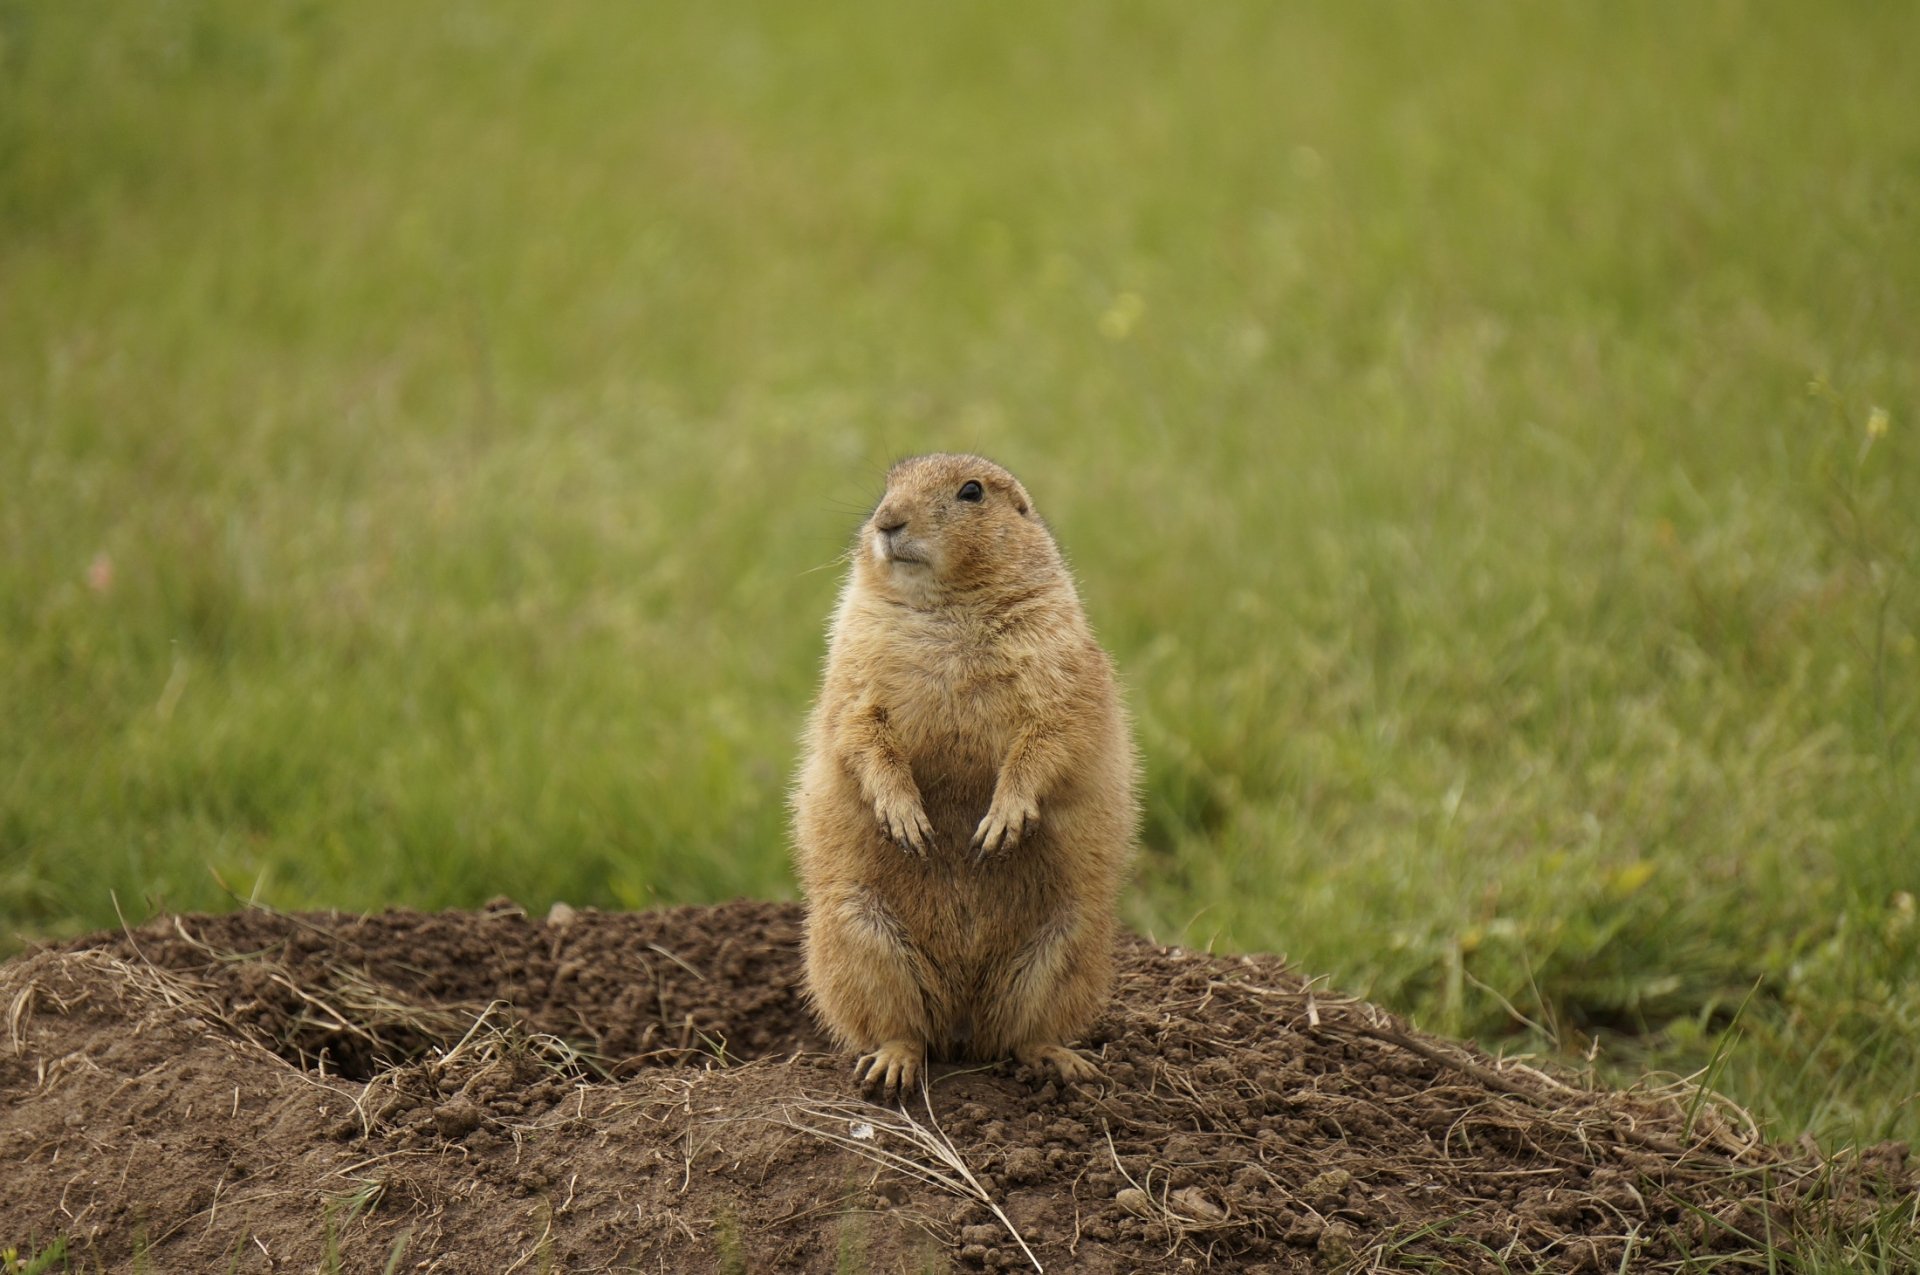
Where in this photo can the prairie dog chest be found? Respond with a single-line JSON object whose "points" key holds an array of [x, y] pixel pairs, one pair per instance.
{"points": [[951, 697], [955, 709]]}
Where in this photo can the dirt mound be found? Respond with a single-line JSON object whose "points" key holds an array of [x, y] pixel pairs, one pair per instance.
{"points": [[586, 1092]]}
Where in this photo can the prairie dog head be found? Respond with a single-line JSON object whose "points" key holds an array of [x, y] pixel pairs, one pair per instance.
{"points": [[952, 525]]}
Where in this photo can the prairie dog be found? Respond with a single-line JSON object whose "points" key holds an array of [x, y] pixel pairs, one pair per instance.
{"points": [[965, 815]]}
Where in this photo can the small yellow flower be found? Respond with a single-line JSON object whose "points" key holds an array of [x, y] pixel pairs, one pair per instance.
{"points": [[1122, 316], [1901, 918], [1627, 878], [1877, 422]]}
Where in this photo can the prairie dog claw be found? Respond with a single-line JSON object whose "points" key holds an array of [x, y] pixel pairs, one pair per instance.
{"points": [[1007, 823], [906, 823], [892, 1069], [1071, 1065]]}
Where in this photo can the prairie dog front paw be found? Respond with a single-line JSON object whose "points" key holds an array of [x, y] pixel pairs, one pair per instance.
{"points": [[1008, 821], [905, 821]]}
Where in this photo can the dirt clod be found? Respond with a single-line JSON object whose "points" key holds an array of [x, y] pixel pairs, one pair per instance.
{"points": [[1327, 1188], [582, 1091], [456, 1119]]}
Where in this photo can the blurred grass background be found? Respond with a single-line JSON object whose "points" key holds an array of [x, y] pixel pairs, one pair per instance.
{"points": [[1486, 437]]}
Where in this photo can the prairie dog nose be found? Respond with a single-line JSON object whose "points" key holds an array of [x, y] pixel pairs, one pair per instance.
{"points": [[887, 522]]}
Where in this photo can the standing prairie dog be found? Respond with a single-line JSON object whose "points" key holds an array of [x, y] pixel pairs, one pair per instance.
{"points": [[964, 816]]}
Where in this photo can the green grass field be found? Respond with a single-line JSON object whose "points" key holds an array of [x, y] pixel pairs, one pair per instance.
{"points": [[1487, 437]]}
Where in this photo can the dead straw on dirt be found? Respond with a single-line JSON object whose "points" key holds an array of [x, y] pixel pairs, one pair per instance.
{"points": [[859, 1127], [1694, 1150]]}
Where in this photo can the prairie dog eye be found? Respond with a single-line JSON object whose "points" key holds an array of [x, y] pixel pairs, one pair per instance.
{"points": [[972, 492]]}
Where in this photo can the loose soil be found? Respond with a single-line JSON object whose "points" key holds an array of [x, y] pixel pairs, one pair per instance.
{"points": [[494, 1092]]}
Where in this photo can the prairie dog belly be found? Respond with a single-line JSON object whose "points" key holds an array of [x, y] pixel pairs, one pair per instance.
{"points": [[955, 789]]}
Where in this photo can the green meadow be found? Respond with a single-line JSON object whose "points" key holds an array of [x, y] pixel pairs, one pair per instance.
{"points": [[1487, 437]]}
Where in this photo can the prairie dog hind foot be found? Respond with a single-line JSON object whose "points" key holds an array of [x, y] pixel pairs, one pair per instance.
{"points": [[1070, 1065], [891, 1070]]}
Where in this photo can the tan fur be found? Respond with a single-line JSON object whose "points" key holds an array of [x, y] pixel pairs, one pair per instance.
{"points": [[965, 815]]}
